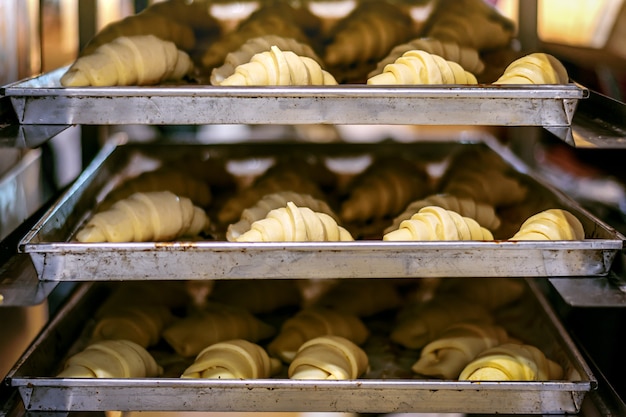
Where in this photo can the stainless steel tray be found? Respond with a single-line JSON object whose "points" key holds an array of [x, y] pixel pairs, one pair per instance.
{"points": [[40, 392], [57, 258], [42, 100]]}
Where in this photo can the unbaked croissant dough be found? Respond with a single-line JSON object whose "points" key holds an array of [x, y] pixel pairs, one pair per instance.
{"points": [[491, 293], [421, 67], [111, 359], [512, 362], [162, 179], [313, 322], [276, 67], [129, 60], [138, 323], [447, 355], [329, 357], [436, 223], [295, 224], [483, 213], [424, 322], [193, 333], [273, 201], [471, 23], [383, 189], [536, 68], [467, 57], [367, 33], [233, 359], [257, 45], [269, 183], [551, 224], [145, 217]]}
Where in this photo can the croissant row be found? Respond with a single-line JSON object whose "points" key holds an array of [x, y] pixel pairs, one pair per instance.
{"points": [[129, 60], [145, 217], [233, 359], [329, 357]]}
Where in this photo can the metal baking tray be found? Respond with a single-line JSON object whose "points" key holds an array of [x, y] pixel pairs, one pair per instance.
{"points": [[56, 257], [42, 100], [370, 394]]}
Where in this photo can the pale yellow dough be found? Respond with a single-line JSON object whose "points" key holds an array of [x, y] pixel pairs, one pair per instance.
{"points": [[329, 357], [436, 223], [512, 362], [421, 67], [145, 217], [313, 322], [111, 359], [295, 224], [551, 224], [276, 67], [138, 323], [233, 359], [536, 68], [129, 60], [455, 347]]}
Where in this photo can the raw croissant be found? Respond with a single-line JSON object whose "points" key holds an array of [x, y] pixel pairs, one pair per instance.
{"points": [[111, 359], [466, 57], [483, 213], [195, 14], [420, 67], [512, 362], [367, 33], [143, 24], [313, 322], [362, 298], [256, 295], [273, 201], [295, 224], [233, 359], [161, 180], [537, 68], [436, 223], [193, 333], [145, 217], [216, 53], [425, 321], [383, 189], [257, 45], [267, 184], [275, 67], [446, 356], [552, 224], [471, 23], [329, 357], [129, 60], [141, 324]]}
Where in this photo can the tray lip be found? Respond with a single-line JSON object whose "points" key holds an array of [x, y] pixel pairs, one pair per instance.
{"points": [[571, 90]]}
